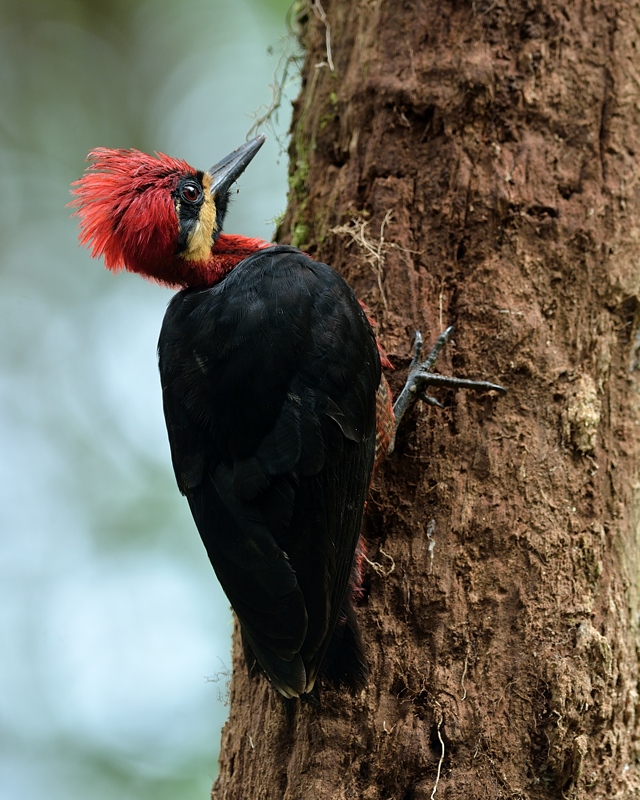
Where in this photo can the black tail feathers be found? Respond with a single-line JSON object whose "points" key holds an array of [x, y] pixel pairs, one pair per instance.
{"points": [[345, 663]]}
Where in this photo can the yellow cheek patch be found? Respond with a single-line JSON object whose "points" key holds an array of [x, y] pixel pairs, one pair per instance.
{"points": [[200, 239]]}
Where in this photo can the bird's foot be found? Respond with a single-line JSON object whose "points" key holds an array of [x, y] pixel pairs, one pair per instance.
{"points": [[420, 377]]}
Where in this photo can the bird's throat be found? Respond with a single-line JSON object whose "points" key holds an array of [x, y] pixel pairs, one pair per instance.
{"points": [[227, 253]]}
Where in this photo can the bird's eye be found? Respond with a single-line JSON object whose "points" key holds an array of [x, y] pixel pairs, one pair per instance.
{"points": [[190, 192]]}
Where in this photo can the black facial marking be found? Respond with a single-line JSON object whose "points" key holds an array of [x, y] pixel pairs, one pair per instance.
{"points": [[222, 206], [188, 197]]}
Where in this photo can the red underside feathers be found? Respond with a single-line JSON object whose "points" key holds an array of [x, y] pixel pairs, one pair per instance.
{"points": [[228, 252]]}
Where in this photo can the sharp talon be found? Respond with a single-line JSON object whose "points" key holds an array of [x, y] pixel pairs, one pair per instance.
{"points": [[420, 377], [431, 401], [417, 349]]}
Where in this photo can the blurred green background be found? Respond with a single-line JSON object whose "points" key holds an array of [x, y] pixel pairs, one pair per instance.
{"points": [[114, 635]]}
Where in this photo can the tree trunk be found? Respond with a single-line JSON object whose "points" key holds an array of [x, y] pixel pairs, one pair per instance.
{"points": [[474, 163]]}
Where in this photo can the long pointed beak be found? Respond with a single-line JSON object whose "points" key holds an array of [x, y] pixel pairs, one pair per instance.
{"points": [[229, 169]]}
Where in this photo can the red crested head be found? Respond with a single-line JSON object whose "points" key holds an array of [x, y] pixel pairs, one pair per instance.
{"points": [[158, 216], [127, 214]]}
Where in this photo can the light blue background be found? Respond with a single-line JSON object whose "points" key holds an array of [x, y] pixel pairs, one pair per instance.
{"points": [[114, 635]]}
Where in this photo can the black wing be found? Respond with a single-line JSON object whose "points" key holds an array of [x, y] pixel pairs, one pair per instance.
{"points": [[269, 382]]}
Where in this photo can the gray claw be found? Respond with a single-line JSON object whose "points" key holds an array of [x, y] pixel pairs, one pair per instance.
{"points": [[420, 377], [430, 401]]}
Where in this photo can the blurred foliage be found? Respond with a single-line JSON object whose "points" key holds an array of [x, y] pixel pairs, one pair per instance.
{"points": [[111, 620]]}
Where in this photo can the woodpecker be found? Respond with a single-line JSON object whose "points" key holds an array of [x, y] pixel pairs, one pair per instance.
{"points": [[274, 401]]}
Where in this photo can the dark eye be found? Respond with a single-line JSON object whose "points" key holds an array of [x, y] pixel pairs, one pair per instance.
{"points": [[190, 192]]}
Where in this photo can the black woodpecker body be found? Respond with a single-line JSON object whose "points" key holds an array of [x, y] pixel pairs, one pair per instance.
{"points": [[269, 382], [273, 398]]}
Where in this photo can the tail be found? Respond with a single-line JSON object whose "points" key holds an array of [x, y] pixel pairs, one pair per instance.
{"points": [[288, 677], [345, 663]]}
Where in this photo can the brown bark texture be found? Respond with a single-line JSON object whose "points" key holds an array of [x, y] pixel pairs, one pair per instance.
{"points": [[475, 163]]}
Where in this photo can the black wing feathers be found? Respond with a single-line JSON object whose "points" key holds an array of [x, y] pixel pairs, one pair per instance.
{"points": [[269, 381]]}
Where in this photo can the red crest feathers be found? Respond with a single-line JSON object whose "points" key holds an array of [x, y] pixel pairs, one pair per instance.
{"points": [[127, 214]]}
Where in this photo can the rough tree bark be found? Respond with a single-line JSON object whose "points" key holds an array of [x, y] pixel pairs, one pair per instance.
{"points": [[475, 163]]}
